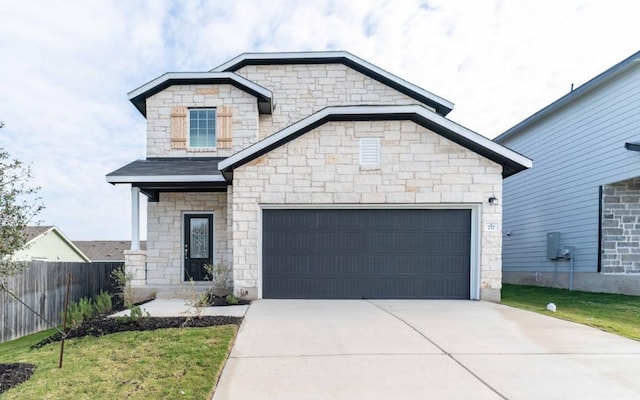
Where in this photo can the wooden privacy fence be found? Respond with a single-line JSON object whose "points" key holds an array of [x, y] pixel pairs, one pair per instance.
{"points": [[42, 286]]}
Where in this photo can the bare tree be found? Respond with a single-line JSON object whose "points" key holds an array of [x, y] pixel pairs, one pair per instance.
{"points": [[19, 205]]}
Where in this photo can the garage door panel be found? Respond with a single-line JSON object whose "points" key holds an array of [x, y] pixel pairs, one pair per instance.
{"points": [[366, 253]]}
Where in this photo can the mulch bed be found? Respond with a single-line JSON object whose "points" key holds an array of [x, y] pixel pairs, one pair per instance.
{"points": [[223, 301], [105, 326], [14, 374]]}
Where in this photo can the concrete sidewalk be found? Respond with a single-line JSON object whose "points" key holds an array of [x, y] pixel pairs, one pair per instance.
{"points": [[357, 349], [180, 308]]}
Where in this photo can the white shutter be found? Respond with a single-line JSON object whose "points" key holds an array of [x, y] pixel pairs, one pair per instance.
{"points": [[370, 151]]}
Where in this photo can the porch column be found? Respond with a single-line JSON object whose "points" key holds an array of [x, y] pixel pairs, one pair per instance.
{"points": [[135, 218], [135, 260]]}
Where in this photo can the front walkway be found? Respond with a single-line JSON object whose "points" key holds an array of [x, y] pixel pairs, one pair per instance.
{"points": [[180, 308], [358, 349]]}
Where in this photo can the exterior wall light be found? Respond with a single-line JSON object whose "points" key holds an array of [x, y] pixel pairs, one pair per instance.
{"points": [[493, 201]]}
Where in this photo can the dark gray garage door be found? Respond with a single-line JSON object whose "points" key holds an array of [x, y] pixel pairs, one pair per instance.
{"points": [[374, 254]]}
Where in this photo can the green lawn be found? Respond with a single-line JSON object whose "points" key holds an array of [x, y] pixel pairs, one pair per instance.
{"points": [[162, 364], [615, 313]]}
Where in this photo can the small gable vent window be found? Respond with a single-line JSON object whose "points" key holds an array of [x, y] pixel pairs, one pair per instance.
{"points": [[370, 151]]}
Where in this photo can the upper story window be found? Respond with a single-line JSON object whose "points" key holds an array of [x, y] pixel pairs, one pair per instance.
{"points": [[202, 127]]}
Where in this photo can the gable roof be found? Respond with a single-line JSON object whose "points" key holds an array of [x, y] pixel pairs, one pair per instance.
{"points": [[139, 96], [106, 250], [33, 232], [511, 161], [36, 232], [442, 106], [574, 95]]}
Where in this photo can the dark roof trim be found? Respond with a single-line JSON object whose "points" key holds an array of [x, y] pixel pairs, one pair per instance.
{"points": [[182, 169], [592, 84], [511, 161], [139, 96], [632, 146], [155, 175], [441, 105]]}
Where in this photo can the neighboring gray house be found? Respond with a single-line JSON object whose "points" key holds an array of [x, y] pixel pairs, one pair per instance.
{"points": [[584, 192], [314, 175]]}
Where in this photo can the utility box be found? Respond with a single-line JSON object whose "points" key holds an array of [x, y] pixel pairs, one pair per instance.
{"points": [[553, 244], [567, 252]]}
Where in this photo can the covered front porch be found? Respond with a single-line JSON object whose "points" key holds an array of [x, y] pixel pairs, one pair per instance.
{"points": [[188, 223]]}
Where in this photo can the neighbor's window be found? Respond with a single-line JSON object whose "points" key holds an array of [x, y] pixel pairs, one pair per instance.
{"points": [[202, 127]]}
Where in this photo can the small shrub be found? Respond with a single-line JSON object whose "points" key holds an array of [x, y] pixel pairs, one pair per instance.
{"points": [[221, 277], [123, 283], [86, 308], [196, 299], [231, 299], [74, 316], [103, 303], [136, 313], [78, 312]]}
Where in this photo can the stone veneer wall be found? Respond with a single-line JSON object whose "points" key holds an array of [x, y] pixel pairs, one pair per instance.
{"points": [[164, 233], [321, 167], [245, 117], [302, 89], [621, 227]]}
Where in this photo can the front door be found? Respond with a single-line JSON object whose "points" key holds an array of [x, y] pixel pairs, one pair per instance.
{"points": [[198, 246]]}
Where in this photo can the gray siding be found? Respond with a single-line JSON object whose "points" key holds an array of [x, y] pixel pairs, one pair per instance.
{"points": [[575, 150]]}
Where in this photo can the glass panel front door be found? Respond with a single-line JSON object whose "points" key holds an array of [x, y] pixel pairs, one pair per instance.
{"points": [[198, 246], [199, 237]]}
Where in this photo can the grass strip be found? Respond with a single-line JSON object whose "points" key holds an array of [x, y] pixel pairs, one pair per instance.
{"points": [[162, 364], [615, 313]]}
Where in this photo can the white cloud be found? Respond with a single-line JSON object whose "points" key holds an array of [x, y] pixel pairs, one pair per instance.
{"points": [[66, 66]]}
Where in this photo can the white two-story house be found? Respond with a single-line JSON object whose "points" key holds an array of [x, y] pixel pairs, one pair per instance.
{"points": [[315, 175]]}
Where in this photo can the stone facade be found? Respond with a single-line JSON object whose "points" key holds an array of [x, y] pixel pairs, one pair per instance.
{"points": [[164, 233], [418, 167], [245, 118], [303, 89], [621, 227]]}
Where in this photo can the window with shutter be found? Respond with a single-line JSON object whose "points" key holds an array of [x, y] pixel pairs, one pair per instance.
{"points": [[225, 125], [179, 127], [202, 128]]}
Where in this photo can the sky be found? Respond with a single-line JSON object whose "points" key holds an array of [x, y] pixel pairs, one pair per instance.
{"points": [[66, 68]]}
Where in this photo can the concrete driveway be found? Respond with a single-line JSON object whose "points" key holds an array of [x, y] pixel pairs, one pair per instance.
{"points": [[406, 349]]}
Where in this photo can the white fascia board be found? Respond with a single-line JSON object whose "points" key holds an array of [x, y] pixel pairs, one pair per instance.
{"points": [[200, 75], [329, 55], [165, 178], [377, 110]]}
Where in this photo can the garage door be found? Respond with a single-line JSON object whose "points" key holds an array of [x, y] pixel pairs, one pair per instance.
{"points": [[373, 254]]}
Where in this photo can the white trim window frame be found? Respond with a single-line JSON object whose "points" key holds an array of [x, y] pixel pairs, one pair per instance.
{"points": [[202, 129]]}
